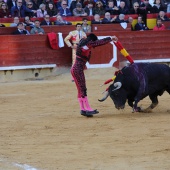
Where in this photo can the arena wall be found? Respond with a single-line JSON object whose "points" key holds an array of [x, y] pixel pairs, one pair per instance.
{"points": [[34, 50]]}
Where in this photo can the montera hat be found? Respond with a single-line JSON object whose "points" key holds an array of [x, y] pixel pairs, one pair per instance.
{"points": [[92, 37]]}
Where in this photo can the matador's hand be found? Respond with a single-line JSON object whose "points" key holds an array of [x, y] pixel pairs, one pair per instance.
{"points": [[114, 38]]}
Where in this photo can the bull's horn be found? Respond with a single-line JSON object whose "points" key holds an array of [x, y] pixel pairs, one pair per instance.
{"points": [[105, 97], [117, 85]]}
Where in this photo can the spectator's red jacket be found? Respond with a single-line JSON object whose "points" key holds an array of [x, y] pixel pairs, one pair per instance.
{"points": [[160, 28]]}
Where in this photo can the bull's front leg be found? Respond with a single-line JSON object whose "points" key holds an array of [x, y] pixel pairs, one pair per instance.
{"points": [[135, 106], [142, 91], [130, 103]]}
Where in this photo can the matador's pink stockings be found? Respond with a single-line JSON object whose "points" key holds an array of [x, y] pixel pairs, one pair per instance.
{"points": [[81, 104], [86, 104]]}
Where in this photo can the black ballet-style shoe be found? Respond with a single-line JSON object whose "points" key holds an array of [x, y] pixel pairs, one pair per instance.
{"points": [[92, 112], [84, 113]]}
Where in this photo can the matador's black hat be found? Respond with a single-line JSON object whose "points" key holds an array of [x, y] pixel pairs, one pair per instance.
{"points": [[92, 37]]}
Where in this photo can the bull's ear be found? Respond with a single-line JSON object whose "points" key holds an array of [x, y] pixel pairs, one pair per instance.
{"points": [[118, 85]]}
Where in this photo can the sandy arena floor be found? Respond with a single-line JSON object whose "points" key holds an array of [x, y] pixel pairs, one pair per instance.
{"points": [[41, 128]]}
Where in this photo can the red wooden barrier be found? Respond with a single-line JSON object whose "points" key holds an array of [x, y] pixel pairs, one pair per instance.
{"points": [[35, 49], [31, 50], [109, 27]]}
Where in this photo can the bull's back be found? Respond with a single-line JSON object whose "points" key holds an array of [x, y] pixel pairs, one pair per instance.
{"points": [[158, 78], [157, 72]]}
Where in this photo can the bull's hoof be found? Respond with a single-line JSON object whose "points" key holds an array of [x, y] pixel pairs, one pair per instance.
{"points": [[138, 109]]}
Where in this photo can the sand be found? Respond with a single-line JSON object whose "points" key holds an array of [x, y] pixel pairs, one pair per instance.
{"points": [[41, 128]]}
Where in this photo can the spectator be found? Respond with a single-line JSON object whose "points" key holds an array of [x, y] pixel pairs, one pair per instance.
{"points": [[117, 3], [46, 2], [130, 19], [19, 10], [113, 10], [1, 1], [123, 9], [98, 9], [89, 9], [131, 2], [4, 12], [58, 4], [2, 25], [46, 20], [85, 26], [21, 29], [159, 26], [61, 21], [36, 4], [24, 2], [79, 11], [75, 36], [11, 3], [108, 19], [86, 2], [15, 22], [104, 2], [121, 18], [31, 7], [41, 12], [51, 10], [28, 22], [168, 8], [145, 5], [73, 4], [157, 7], [138, 11], [162, 16], [97, 19], [64, 10], [37, 28], [140, 26]]}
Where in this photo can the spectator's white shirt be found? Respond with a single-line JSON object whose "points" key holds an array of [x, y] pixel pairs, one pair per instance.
{"points": [[151, 2]]}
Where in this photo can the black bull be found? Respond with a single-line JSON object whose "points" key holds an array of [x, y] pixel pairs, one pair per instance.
{"points": [[137, 81]]}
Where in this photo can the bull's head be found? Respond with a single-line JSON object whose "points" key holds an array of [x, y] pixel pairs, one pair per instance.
{"points": [[117, 94]]}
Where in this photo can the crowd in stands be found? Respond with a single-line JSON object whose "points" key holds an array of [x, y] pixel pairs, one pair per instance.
{"points": [[39, 8], [103, 11]]}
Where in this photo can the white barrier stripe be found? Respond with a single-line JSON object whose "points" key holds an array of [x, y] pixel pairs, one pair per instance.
{"points": [[28, 67]]}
